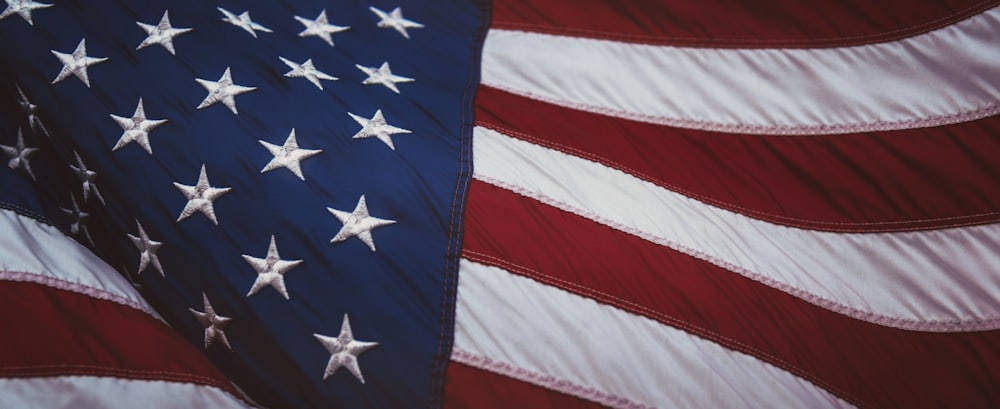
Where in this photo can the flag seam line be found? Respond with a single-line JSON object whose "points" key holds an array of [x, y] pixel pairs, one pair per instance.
{"points": [[872, 317]]}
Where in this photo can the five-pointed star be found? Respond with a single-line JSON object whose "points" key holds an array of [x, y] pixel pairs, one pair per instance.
{"points": [[358, 223], [86, 176], [377, 127], [214, 324], [162, 33], [320, 27], [19, 154], [76, 63], [23, 8], [344, 351], [147, 250], [308, 71], [395, 20], [137, 128], [223, 91], [201, 197], [79, 219], [270, 270], [32, 111], [382, 75], [288, 155], [243, 21]]}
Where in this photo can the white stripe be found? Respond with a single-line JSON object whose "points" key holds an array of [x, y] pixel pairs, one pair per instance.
{"points": [[937, 280], [72, 392], [545, 330], [37, 252], [945, 76]]}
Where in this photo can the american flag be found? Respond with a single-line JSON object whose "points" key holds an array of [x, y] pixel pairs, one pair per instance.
{"points": [[456, 204]]}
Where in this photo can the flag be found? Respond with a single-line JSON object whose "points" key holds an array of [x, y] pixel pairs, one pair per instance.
{"points": [[506, 204]]}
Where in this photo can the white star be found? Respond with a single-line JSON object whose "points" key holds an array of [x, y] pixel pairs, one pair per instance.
{"points": [[382, 75], [32, 111], [308, 71], [147, 250], [23, 8], [213, 323], [79, 220], [243, 21], [162, 33], [288, 155], [377, 127], [86, 176], [358, 223], [395, 20], [223, 91], [19, 154], [270, 270], [344, 351], [320, 27], [76, 63], [137, 128], [200, 197]]}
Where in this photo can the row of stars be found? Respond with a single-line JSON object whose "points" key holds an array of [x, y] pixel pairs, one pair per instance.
{"points": [[163, 33]]}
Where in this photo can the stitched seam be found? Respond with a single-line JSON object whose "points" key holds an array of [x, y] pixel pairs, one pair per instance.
{"points": [[464, 180], [28, 213], [886, 36], [97, 370], [658, 316], [786, 220], [796, 130], [982, 324], [544, 381], [60, 284]]}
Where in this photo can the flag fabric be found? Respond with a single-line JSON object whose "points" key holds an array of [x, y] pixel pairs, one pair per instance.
{"points": [[507, 204]]}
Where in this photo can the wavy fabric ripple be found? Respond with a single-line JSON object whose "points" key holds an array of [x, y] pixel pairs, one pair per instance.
{"points": [[944, 76]]}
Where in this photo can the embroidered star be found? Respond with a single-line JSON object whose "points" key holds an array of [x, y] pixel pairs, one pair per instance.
{"points": [[136, 129], [147, 250], [320, 27], [358, 223], [162, 33], [377, 127], [86, 176], [308, 71], [223, 91], [23, 8], [201, 197], [19, 154], [344, 351], [214, 324], [382, 75], [288, 155], [243, 21], [394, 19], [79, 220], [32, 111], [270, 270], [76, 63]]}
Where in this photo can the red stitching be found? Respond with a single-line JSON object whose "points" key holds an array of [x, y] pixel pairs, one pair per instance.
{"points": [[545, 381], [965, 220], [875, 318], [797, 130], [658, 316], [845, 41]]}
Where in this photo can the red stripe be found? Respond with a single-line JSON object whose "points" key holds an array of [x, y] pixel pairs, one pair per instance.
{"points": [[863, 363], [723, 23], [51, 332], [468, 387], [880, 181]]}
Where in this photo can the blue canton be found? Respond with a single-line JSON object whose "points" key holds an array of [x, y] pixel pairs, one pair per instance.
{"points": [[283, 180]]}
